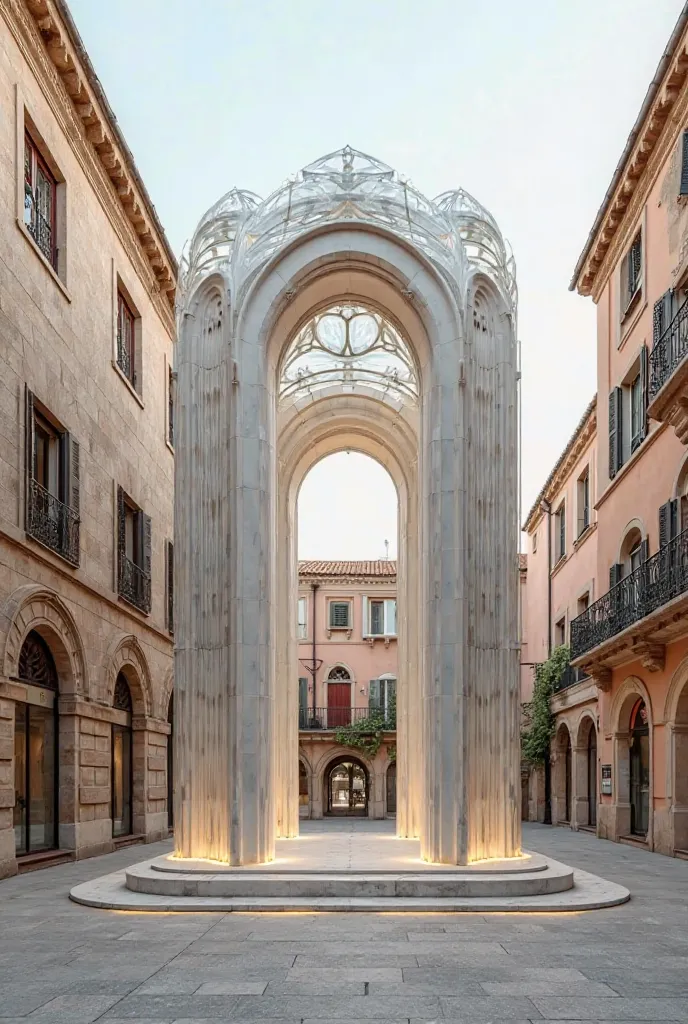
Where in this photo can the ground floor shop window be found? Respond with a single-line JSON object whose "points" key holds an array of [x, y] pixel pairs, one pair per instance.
{"points": [[121, 762], [35, 751]]}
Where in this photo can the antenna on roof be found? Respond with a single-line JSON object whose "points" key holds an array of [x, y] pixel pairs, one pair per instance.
{"points": [[387, 551]]}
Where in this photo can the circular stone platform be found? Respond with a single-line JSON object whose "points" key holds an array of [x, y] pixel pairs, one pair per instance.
{"points": [[328, 872]]}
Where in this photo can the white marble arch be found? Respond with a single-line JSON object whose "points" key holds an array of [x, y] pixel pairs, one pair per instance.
{"points": [[232, 614]]}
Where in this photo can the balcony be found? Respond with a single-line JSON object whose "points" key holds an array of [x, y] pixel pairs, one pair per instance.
{"points": [[52, 523], [134, 584], [668, 376], [637, 617], [328, 719], [569, 677]]}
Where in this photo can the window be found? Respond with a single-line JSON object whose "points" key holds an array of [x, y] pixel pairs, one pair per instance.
{"points": [[340, 615], [382, 696], [52, 482], [583, 603], [683, 182], [169, 585], [40, 201], [584, 501], [634, 557], [628, 424], [631, 274], [381, 618], [560, 533], [662, 315], [133, 553], [302, 624], [560, 631], [535, 542], [126, 340]]}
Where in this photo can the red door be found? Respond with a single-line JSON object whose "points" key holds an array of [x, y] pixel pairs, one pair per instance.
{"points": [[338, 705]]}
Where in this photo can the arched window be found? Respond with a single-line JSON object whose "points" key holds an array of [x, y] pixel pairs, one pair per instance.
{"points": [[338, 673], [348, 346], [35, 813], [122, 781]]}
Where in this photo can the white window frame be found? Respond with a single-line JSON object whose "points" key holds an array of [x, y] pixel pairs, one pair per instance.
{"points": [[302, 619], [389, 617]]}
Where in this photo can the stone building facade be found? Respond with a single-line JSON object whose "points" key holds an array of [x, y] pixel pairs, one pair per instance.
{"points": [[86, 462], [631, 642], [347, 669]]}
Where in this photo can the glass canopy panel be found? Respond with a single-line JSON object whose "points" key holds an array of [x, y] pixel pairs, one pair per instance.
{"points": [[348, 346]]}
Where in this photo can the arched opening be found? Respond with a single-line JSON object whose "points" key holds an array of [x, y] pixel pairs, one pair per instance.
{"points": [[170, 764], [36, 747], [630, 555], [639, 768], [585, 774], [304, 792], [563, 775], [347, 787], [592, 776], [391, 788], [679, 808], [122, 789]]}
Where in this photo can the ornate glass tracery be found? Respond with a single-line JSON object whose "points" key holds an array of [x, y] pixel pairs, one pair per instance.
{"points": [[36, 663], [348, 346]]}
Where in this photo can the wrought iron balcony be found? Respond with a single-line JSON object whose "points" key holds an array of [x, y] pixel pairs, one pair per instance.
{"points": [[569, 677], [338, 718], [653, 584], [669, 351], [52, 523], [124, 359], [134, 584]]}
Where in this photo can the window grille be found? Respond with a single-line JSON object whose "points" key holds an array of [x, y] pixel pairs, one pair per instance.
{"points": [[39, 201], [126, 354]]}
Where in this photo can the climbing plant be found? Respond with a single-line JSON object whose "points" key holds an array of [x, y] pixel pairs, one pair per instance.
{"points": [[538, 726], [366, 735]]}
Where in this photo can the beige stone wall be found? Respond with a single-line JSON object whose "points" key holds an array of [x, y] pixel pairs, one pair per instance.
{"points": [[58, 338]]}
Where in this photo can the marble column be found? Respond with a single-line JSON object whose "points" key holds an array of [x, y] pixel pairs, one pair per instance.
{"points": [[223, 702]]}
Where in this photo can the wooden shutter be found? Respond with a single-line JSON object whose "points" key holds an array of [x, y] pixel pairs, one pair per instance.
{"points": [[683, 186], [169, 584], [613, 433], [74, 491], [365, 627], [121, 535], [644, 379], [146, 538], [661, 316], [615, 574], [644, 550], [668, 522], [374, 695], [30, 444]]}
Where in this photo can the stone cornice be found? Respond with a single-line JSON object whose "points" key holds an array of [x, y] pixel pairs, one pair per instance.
{"points": [[659, 124], [582, 436], [344, 581], [46, 35]]}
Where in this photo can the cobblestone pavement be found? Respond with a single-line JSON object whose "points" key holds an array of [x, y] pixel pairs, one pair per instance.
{"points": [[65, 964]]}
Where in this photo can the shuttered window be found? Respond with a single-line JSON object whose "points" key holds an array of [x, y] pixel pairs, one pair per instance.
{"points": [[683, 185], [40, 189], [615, 432], [631, 276], [53, 482], [669, 524], [661, 316], [340, 615], [134, 542]]}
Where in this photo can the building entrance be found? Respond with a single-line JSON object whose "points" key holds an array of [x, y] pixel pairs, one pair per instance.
{"points": [[639, 769], [347, 789]]}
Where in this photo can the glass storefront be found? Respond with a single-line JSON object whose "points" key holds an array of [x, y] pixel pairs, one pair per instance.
{"points": [[35, 751]]}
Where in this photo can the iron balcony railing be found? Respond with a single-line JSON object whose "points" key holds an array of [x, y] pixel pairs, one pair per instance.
{"points": [[53, 523], [134, 584], [124, 359], [569, 677], [653, 584], [338, 718], [669, 351]]}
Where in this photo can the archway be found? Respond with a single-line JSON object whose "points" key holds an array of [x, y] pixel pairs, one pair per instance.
{"points": [[586, 773], [639, 769], [391, 789], [347, 787], [348, 233], [304, 791], [563, 775], [121, 747], [676, 718], [36, 764]]}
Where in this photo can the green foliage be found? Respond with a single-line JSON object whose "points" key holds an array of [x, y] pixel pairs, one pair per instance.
{"points": [[366, 735], [539, 720]]}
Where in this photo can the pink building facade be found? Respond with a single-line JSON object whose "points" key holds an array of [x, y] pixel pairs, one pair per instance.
{"points": [[347, 671], [632, 639]]}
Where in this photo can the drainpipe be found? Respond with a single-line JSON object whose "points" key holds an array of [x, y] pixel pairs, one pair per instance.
{"points": [[314, 587], [546, 508]]}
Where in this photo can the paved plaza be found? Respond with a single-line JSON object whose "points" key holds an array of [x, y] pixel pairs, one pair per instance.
{"points": [[65, 964]]}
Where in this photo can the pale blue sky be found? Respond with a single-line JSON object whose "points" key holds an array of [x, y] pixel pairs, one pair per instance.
{"points": [[527, 105]]}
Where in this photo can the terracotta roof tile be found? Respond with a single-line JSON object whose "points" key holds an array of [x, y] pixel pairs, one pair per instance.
{"points": [[380, 568]]}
